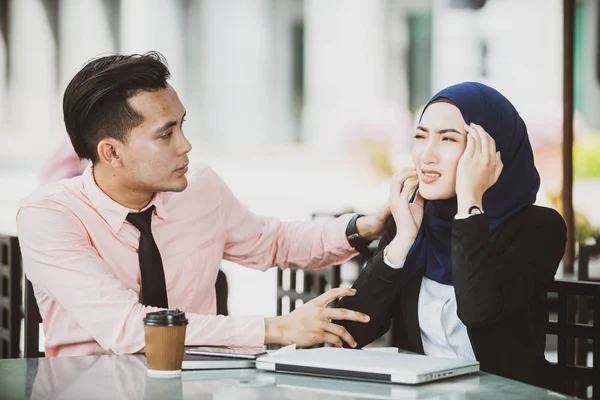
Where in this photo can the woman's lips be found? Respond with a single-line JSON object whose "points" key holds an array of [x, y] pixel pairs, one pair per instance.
{"points": [[429, 176]]}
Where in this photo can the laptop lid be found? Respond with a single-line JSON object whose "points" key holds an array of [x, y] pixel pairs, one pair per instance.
{"points": [[366, 365]]}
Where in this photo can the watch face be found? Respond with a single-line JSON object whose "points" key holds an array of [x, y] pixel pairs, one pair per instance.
{"points": [[474, 210]]}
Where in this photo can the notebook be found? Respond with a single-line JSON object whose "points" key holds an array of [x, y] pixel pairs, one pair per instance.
{"points": [[366, 365], [193, 362]]}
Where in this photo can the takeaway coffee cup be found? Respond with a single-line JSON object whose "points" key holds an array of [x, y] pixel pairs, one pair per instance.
{"points": [[165, 342]]}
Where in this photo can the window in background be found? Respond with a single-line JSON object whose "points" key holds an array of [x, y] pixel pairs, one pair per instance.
{"points": [[580, 57], [51, 9], [298, 75], [483, 53], [113, 13], [473, 4], [419, 59], [597, 44], [4, 30]]}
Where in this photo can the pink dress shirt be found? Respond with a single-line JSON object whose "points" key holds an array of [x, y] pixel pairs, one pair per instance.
{"points": [[81, 256]]}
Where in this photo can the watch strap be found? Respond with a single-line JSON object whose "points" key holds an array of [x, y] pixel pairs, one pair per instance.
{"points": [[359, 244]]}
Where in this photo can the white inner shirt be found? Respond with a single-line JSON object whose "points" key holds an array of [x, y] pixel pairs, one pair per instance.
{"points": [[443, 334]]}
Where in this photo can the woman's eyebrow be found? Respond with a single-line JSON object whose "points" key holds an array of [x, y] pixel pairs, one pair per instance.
{"points": [[439, 131]]}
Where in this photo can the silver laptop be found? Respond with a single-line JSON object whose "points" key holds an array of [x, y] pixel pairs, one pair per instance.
{"points": [[366, 365]]}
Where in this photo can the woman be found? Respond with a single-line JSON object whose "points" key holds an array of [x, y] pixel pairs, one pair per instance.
{"points": [[465, 262]]}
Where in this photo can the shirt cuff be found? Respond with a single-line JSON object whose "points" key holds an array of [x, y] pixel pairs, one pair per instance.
{"points": [[344, 220], [463, 215], [389, 263]]}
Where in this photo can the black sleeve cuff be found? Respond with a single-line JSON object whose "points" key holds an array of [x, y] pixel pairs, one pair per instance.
{"points": [[378, 274], [472, 230]]}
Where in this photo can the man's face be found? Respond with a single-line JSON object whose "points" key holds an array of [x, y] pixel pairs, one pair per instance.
{"points": [[154, 157]]}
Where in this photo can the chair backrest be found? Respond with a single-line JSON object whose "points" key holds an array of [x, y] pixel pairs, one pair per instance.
{"points": [[12, 307], [222, 292], [587, 251], [578, 331], [12, 310], [10, 296], [296, 286], [33, 319]]}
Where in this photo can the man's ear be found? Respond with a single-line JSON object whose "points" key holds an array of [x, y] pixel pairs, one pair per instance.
{"points": [[109, 150]]}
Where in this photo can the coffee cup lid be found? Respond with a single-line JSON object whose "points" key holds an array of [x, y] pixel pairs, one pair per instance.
{"points": [[166, 318]]}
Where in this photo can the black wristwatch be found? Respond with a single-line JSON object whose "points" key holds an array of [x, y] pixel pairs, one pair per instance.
{"points": [[360, 244]]}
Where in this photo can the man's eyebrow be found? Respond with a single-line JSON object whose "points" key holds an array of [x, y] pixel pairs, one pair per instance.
{"points": [[170, 124]]}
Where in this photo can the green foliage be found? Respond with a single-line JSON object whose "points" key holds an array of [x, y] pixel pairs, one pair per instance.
{"points": [[586, 156], [583, 228], [379, 157]]}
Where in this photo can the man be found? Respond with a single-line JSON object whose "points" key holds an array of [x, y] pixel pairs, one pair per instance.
{"points": [[141, 230], [64, 163]]}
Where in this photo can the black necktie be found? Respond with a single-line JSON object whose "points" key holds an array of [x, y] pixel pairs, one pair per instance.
{"points": [[154, 288]]}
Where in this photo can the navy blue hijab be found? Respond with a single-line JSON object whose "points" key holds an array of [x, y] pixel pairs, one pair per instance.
{"points": [[516, 187]]}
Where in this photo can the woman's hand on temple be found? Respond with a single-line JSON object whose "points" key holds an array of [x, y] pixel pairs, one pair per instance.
{"points": [[478, 168]]}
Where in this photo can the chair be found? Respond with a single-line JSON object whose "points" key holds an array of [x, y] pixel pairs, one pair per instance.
{"points": [[10, 296], [577, 304], [587, 251], [296, 286], [222, 292], [33, 319]]}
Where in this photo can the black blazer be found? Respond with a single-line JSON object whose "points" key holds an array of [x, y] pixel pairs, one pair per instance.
{"points": [[500, 281]]}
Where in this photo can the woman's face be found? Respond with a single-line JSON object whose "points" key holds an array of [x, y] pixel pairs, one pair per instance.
{"points": [[440, 141]]}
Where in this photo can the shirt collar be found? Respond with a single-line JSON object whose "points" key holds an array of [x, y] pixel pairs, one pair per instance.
{"points": [[112, 212]]}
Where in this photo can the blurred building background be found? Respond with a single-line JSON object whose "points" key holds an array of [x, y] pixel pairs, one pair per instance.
{"points": [[302, 106]]}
